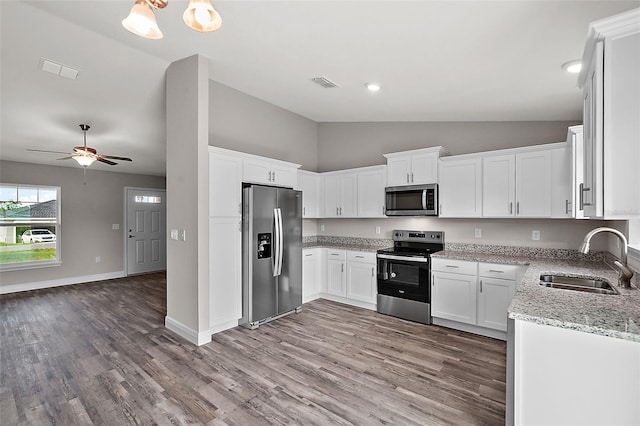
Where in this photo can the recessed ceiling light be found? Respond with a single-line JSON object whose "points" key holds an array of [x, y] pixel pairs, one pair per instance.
{"points": [[573, 67], [373, 87]]}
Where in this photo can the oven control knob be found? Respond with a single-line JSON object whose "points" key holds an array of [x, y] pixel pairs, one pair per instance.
{"points": [[393, 275]]}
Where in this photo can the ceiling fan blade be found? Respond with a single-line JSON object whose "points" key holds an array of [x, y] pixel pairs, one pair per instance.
{"points": [[116, 158], [44, 150], [64, 158], [111, 163]]}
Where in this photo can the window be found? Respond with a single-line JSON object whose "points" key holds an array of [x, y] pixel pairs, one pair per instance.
{"points": [[29, 226], [148, 199]]}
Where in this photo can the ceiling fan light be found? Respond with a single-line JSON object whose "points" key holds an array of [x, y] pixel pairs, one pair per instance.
{"points": [[201, 16], [84, 160], [142, 21]]}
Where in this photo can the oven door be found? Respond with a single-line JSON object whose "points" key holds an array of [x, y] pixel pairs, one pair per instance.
{"points": [[404, 277]]}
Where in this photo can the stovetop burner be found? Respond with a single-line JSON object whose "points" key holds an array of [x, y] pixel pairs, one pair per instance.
{"points": [[415, 243]]}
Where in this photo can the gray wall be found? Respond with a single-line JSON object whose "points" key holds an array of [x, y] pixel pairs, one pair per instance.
{"points": [[347, 145], [87, 214], [247, 124]]}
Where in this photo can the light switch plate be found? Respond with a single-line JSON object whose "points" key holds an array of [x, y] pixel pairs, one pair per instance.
{"points": [[478, 233], [115, 226], [174, 234], [377, 230], [535, 235], [182, 235]]}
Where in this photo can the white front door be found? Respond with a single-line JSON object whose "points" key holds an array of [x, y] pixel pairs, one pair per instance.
{"points": [[146, 230]]}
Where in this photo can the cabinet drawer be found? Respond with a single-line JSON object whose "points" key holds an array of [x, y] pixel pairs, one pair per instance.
{"points": [[497, 270], [361, 256], [309, 254], [454, 266], [335, 254]]}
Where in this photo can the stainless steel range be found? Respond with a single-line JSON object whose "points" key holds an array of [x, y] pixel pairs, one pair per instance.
{"points": [[404, 275]]}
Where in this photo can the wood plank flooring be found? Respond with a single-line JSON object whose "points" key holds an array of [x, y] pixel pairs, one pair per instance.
{"points": [[99, 354]]}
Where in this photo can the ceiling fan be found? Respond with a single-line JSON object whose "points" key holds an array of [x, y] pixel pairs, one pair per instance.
{"points": [[85, 155]]}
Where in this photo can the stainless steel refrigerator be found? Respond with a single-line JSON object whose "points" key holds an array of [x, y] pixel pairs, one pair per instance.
{"points": [[271, 253]]}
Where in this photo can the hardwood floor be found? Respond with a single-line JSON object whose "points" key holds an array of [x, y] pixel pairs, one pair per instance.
{"points": [[99, 354]]}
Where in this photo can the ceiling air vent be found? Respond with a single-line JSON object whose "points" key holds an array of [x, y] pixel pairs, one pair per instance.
{"points": [[324, 82]]}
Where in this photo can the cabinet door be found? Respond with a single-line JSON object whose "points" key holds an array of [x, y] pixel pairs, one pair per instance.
{"points": [[310, 275], [284, 176], [424, 168], [498, 186], [593, 136], [460, 188], [256, 171], [348, 190], [336, 277], [454, 297], [533, 184], [561, 194], [310, 184], [493, 301], [371, 186], [399, 171], [361, 282], [225, 185], [225, 260], [331, 195]]}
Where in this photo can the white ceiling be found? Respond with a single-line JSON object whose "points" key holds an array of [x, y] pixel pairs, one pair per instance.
{"points": [[435, 60]]}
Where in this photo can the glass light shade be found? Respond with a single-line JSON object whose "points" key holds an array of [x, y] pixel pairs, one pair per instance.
{"points": [[141, 21], [84, 160], [201, 16]]}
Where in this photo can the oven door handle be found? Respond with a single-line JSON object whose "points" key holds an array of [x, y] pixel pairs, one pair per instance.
{"points": [[404, 258]]}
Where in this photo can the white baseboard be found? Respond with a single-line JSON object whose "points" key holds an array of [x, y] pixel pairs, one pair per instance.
{"points": [[222, 327], [185, 332], [346, 301], [14, 288], [483, 331]]}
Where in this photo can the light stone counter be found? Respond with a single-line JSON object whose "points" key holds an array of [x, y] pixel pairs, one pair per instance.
{"points": [[607, 315]]}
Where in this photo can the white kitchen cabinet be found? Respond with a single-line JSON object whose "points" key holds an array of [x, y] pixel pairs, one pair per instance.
{"points": [[269, 172], [561, 178], [575, 142], [611, 111], [225, 184], [361, 276], [460, 187], [517, 185], [419, 166], [340, 191], [225, 279], [496, 290], [336, 272], [454, 295], [371, 184], [309, 183], [311, 276]]}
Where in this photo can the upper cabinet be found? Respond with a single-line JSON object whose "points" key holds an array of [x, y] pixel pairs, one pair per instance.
{"points": [[371, 184], [611, 117], [460, 187], [269, 172], [340, 194], [309, 184], [414, 167], [225, 184]]}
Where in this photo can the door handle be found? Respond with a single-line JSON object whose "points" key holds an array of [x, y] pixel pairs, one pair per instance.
{"points": [[131, 236]]}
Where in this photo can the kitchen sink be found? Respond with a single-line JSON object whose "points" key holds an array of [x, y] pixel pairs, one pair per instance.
{"points": [[589, 285]]}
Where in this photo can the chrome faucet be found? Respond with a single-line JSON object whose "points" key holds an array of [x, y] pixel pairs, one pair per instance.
{"points": [[626, 273]]}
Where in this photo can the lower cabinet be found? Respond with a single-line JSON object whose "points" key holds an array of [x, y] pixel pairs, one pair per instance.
{"points": [[473, 296], [311, 261], [361, 276], [336, 277]]}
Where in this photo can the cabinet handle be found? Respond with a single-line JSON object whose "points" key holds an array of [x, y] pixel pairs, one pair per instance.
{"points": [[240, 226], [566, 207], [510, 208], [342, 267], [382, 210], [582, 191], [411, 177], [496, 270], [337, 212], [372, 272], [304, 211], [518, 207], [408, 178], [335, 254], [274, 176], [480, 286], [433, 281], [310, 254], [360, 257], [240, 208], [269, 176], [452, 266], [340, 211]]}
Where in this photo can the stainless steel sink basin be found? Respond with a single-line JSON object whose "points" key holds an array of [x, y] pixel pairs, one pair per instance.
{"points": [[588, 285]]}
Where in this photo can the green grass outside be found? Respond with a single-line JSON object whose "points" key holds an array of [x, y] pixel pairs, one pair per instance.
{"points": [[32, 255]]}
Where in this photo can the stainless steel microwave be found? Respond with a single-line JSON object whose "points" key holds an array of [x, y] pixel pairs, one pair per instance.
{"points": [[413, 200]]}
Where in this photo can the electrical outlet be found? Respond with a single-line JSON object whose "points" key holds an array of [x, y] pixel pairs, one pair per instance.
{"points": [[478, 233], [377, 230], [98, 259], [115, 226], [182, 235], [535, 235], [322, 228]]}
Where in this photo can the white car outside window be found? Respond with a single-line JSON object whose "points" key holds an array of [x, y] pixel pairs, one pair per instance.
{"points": [[38, 236]]}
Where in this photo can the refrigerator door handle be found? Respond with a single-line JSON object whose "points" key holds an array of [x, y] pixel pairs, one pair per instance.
{"points": [[276, 242], [281, 241]]}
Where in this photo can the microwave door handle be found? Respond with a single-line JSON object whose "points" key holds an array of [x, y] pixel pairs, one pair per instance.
{"points": [[424, 199]]}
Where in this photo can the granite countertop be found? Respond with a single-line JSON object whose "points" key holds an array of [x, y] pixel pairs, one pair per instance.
{"points": [[354, 247], [607, 315]]}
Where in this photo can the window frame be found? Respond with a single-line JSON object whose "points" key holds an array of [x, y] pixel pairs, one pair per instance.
{"points": [[56, 224]]}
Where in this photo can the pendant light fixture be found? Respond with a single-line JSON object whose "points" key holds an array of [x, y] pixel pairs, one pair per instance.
{"points": [[199, 16]]}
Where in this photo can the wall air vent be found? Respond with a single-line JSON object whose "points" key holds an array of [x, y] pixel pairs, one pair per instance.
{"points": [[324, 82], [58, 69]]}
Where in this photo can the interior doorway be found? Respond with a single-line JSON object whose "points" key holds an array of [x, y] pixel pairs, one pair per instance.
{"points": [[146, 236]]}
